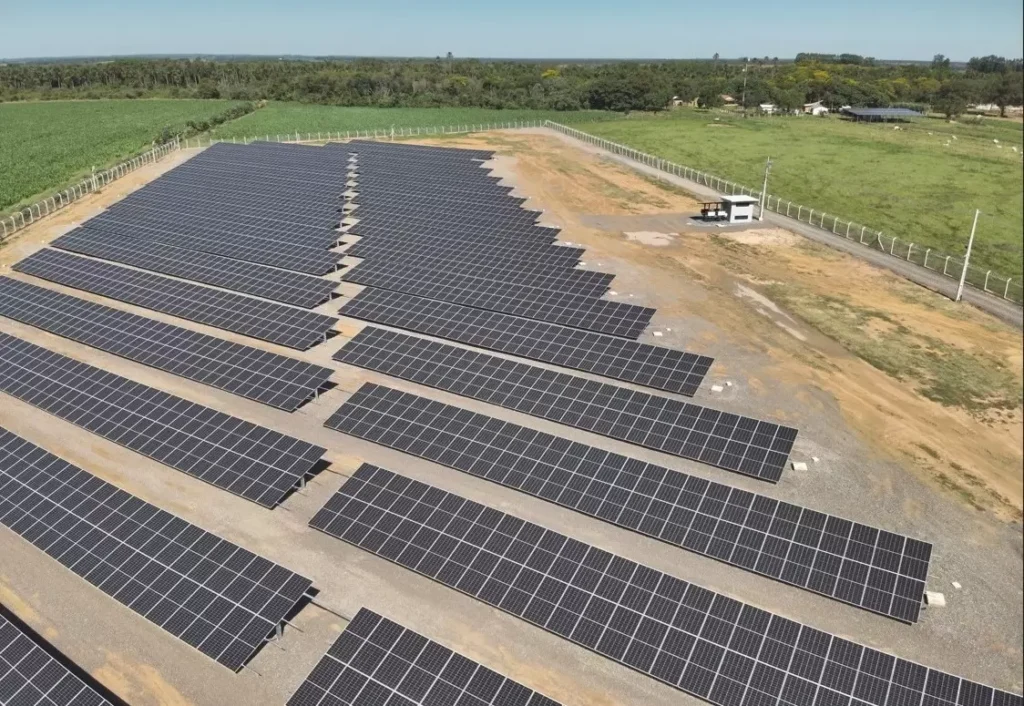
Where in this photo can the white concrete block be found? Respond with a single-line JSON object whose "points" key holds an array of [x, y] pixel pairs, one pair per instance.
{"points": [[799, 466], [934, 599], [658, 333], [717, 388], [956, 585]]}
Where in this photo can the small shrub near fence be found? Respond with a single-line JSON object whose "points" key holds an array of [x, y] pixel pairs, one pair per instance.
{"points": [[949, 265]]}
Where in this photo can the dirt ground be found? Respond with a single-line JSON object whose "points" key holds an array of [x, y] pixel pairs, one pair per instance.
{"points": [[791, 328], [611, 210]]}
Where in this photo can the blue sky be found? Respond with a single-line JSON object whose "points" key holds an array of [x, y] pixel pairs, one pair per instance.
{"points": [[900, 29]]}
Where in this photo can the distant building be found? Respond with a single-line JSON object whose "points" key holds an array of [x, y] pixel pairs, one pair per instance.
{"points": [[728, 99], [815, 108], [767, 108], [678, 102]]}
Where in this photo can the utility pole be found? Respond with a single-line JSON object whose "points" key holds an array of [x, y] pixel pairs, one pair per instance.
{"points": [[743, 99], [967, 257], [764, 190]]}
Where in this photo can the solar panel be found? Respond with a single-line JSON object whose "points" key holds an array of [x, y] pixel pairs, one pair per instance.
{"points": [[254, 462], [206, 591], [641, 363], [31, 676], [486, 253], [377, 661], [389, 225], [250, 246], [736, 443], [854, 563], [259, 219], [269, 378], [407, 150], [703, 643], [259, 280], [269, 321], [565, 308], [586, 283], [207, 206]]}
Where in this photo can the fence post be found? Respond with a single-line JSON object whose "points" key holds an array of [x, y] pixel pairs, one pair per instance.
{"points": [[944, 266], [892, 246], [810, 217], [910, 250], [834, 221], [862, 229], [1006, 290], [985, 286], [926, 253]]}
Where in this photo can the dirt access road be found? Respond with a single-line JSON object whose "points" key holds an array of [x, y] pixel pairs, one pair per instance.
{"points": [[913, 441]]}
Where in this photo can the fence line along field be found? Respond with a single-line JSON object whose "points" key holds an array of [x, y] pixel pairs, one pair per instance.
{"points": [[920, 183], [48, 144], [283, 118]]}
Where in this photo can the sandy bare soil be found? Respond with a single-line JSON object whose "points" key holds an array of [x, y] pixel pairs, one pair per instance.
{"points": [[789, 325], [978, 455]]}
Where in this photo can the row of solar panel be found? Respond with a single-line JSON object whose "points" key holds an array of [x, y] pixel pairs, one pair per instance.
{"points": [[701, 642], [210, 593]]}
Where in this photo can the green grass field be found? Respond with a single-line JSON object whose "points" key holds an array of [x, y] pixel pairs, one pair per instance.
{"points": [[46, 145], [284, 118], [907, 183]]}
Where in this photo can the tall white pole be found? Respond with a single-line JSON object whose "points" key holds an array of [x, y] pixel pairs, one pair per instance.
{"points": [[764, 190], [967, 257]]}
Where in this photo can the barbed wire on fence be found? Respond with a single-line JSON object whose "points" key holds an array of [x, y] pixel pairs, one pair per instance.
{"points": [[949, 265]]}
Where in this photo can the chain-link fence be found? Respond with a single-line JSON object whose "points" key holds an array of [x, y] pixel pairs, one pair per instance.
{"points": [[378, 134], [949, 265], [40, 209]]}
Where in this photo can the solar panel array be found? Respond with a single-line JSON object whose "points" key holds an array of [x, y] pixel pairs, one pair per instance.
{"points": [[377, 661], [266, 377], [212, 594], [701, 642], [269, 321], [609, 356], [259, 280], [30, 676], [254, 462], [405, 193], [248, 246], [533, 302], [851, 562], [741, 444]]}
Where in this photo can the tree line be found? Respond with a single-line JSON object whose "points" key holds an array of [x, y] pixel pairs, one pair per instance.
{"points": [[836, 80]]}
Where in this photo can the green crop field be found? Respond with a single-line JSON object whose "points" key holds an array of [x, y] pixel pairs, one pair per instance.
{"points": [[908, 183], [284, 118], [46, 145]]}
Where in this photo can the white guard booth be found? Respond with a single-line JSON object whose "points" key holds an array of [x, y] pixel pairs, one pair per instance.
{"points": [[739, 208]]}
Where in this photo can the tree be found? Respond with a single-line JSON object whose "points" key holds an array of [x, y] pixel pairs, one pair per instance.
{"points": [[990, 64], [952, 98], [1005, 89], [940, 62], [710, 97]]}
